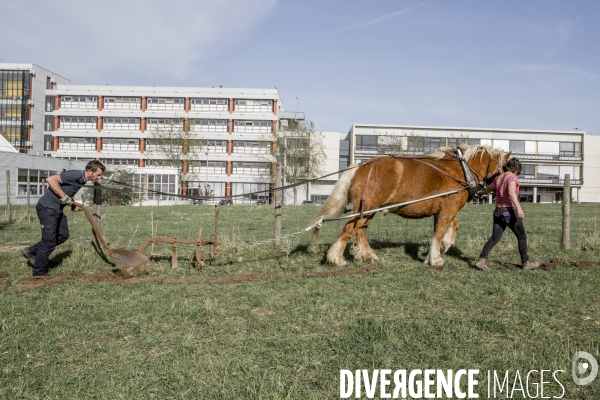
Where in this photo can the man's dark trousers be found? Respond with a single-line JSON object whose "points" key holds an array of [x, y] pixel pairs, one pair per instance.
{"points": [[54, 232]]}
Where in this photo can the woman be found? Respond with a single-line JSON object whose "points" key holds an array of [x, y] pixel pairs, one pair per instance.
{"points": [[509, 213]]}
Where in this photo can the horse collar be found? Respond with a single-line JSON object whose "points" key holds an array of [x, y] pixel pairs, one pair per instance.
{"points": [[469, 178]]}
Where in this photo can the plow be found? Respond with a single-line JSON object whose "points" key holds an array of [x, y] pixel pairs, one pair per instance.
{"points": [[128, 260]]}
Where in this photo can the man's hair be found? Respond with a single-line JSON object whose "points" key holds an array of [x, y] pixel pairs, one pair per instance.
{"points": [[94, 165], [513, 165]]}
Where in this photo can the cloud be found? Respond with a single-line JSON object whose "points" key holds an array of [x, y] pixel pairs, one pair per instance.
{"points": [[376, 20], [551, 68], [137, 37]]}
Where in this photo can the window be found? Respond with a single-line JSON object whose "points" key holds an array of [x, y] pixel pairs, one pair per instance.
{"points": [[121, 144], [164, 124], [49, 103], [208, 125], [121, 123], [251, 168], [517, 146], [528, 171], [132, 103], [455, 142], [318, 199], [48, 123], [216, 146], [165, 103], [74, 122], [263, 105], [238, 189], [37, 184], [206, 104], [48, 143], [548, 148], [258, 126], [366, 142], [151, 183], [245, 146], [78, 101], [214, 167], [77, 143], [568, 149], [121, 161]]}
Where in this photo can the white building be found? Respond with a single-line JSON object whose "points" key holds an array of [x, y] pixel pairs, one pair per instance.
{"points": [[547, 156]]}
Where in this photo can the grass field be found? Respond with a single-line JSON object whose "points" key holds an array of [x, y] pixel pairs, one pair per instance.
{"points": [[286, 333]]}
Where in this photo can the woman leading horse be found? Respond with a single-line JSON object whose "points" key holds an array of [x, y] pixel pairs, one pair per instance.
{"points": [[389, 180]]}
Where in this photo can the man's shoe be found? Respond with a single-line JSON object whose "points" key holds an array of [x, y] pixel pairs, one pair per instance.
{"points": [[30, 257], [529, 265], [482, 265]]}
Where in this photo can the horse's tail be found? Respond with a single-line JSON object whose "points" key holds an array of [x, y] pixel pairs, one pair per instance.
{"points": [[336, 202]]}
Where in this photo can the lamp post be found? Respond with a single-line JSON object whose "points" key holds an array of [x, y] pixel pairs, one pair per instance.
{"points": [[206, 180]]}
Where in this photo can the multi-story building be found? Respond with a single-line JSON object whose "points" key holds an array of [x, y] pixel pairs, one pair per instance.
{"points": [[547, 156], [22, 95], [119, 125]]}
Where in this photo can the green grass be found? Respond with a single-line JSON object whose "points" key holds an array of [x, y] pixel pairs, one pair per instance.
{"points": [[285, 337]]}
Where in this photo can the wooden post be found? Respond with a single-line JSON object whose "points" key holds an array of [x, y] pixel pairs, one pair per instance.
{"points": [[97, 215], [566, 223], [28, 197], [278, 175], [8, 211]]}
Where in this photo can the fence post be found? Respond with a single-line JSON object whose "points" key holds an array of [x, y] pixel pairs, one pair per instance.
{"points": [[28, 197], [97, 215], [8, 210], [278, 175], [566, 209]]}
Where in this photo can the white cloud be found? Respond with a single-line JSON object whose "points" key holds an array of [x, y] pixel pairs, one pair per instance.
{"points": [[81, 39]]}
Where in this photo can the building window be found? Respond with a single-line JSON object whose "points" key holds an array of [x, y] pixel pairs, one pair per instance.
{"points": [[548, 148], [49, 123], [216, 146], [455, 142], [121, 144], [251, 168], [164, 124], [208, 125], [318, 199], [78, 101], [49, 104], [568, 149], [206, 104], [214, 167], [121, 161], [48, 143], [196, 188], [14, 92], [239, 189], [165, 103], [36, 186], [250, 105], [77, 143], [517, 147], [151, 183], [74, 122], [130, 103], [121, 123], [258, 126], [252, 147], [528, 171]]}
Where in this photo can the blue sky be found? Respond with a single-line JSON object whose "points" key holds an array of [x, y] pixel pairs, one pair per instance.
{"points": [[463, 63]]}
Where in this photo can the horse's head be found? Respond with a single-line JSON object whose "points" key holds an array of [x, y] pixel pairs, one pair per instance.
{"points": [[485, 162]]}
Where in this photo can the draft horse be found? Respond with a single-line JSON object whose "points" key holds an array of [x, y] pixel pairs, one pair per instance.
{"points": [[389, 180]]}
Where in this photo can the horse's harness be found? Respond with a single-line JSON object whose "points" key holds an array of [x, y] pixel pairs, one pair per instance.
{"points": [[469, 183]]}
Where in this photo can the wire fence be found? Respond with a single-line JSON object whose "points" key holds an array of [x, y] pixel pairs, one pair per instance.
{"points": [[244, 226]]}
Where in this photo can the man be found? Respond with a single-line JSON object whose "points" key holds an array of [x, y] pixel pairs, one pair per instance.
{"points": [[49, 209]]}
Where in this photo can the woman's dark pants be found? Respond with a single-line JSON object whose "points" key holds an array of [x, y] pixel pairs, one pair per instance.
{"points": [[54, 232], [516, 225]]}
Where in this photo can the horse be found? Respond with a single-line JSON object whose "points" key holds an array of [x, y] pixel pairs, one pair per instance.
{"points": [[391, 180]]}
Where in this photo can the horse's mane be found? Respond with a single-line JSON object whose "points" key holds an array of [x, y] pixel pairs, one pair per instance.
{"points": [[470, 151]]}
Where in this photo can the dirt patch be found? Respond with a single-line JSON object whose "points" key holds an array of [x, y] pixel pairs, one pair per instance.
{"points": [[240, 278], [336, 272], [3, 274], [11, 249], [585, 264], [117, 276]]}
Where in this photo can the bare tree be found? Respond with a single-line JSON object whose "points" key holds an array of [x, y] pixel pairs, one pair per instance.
{"points": [[171, 145], [301, 152]]}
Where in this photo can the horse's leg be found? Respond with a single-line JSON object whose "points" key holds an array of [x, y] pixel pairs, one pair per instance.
{"points": [[335, 255], [363, 251], [433, 257], [450, 236]]}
